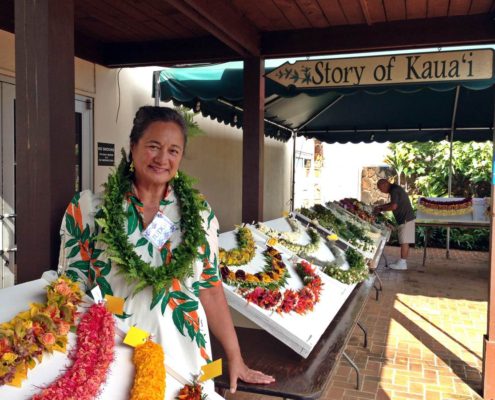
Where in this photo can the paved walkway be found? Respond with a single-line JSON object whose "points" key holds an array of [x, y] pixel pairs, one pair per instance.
{"points": [[425, 333]]}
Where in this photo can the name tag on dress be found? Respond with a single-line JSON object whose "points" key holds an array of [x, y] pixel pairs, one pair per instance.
{"points": [[160, 230]]}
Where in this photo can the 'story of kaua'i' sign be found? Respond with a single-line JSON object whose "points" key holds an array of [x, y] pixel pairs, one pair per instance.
{"points": [[385, 70]]}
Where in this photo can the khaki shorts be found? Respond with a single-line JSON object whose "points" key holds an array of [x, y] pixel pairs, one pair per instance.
{"points": [[407, 232]]}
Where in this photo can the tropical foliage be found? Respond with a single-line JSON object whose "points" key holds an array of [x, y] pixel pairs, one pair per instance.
{"points": [[423, 169]]}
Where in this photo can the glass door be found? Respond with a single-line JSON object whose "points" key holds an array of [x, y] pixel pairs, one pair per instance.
{"points": [[83, 170], [7, 185]]}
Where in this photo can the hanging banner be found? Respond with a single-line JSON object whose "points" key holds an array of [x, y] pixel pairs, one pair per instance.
{"points": [[415, 68]]}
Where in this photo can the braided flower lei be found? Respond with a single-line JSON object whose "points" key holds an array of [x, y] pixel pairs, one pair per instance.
{"points": [[300, 301], [95, 352], [43, 328]]}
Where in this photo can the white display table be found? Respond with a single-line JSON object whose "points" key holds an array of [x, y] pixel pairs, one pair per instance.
{"points": [[121, 375], [300, 332]]}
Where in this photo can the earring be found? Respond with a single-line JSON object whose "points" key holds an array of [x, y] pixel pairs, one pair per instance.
{"points": [[131, 166], [176, 174]]}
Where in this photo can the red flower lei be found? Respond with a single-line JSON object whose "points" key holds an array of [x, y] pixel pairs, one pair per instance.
{"points": [[95, 352], [191, 392], [301, 301]]}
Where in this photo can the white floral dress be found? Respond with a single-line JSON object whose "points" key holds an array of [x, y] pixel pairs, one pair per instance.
{"points": [[176, 319]]}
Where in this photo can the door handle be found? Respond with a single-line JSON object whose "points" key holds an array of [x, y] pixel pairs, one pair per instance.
{"points": [[11, 250]]}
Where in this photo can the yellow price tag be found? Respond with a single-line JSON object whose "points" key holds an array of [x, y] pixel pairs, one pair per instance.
{"points": [[271, 242], [211, 370], [114, 304], [333, 237], [135, 337]]}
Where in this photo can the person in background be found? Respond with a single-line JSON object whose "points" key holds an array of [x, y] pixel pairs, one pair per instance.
{"points": [[401, 207]]}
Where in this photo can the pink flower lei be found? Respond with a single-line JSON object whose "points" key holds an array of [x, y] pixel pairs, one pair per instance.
{"points": [[92, 358]]}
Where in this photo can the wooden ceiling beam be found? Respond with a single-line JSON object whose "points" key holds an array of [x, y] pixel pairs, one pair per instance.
{"points": [[463, 30], [366, 11], [168, 53], [88, 48], [220, 19]]}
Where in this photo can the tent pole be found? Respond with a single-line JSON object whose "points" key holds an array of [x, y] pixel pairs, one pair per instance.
{"points": [[488, 372], [293, 186], [452, 128], [156, 82]]}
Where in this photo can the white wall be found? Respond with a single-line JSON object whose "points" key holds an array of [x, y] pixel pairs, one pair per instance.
{"points": [[343, 166], [214, 159]]}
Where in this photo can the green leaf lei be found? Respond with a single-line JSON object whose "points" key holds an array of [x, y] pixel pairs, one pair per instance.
{"points": [[357, 272], [121, 251], [311, 247]]}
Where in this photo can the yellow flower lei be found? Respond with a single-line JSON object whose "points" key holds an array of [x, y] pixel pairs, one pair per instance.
{"points": [[149, 381], [243, 253]]}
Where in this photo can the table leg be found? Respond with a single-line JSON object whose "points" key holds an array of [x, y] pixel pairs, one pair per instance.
{"points": [[365, 344], [447, 253], [355, 367], [378, 288], [427, 232]]}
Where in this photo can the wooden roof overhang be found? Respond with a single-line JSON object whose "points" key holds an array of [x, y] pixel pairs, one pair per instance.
{"points": [[122, 33]]}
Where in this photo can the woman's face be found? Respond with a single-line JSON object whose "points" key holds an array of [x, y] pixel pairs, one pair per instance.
{"points": [[158, 153]]}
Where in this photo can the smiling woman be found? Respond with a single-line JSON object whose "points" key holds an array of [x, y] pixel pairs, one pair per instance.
{"points": [[152, 239]]}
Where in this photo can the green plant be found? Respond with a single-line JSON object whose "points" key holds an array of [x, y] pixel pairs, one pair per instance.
{"points": [[423, 168], [193, 128]]}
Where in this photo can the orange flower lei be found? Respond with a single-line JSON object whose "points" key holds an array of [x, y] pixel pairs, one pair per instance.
{"points": [[191, 392], [149, 381], [41, 329]]}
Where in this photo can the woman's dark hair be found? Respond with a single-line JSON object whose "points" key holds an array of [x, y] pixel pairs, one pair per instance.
{"points": [[146, 115]]}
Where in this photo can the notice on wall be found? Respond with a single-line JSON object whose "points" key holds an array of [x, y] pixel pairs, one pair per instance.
{"points": [[106, 154], [446, 66]]}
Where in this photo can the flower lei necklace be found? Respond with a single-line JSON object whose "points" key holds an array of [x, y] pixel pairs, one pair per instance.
{"points": [[274, 273], [122, 251], [286, 238], [149, 381], [192, 392], [300, 301], [94, 354], [42, 328], [243, 253]]}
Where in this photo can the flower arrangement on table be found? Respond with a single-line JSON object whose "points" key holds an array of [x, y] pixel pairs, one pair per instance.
{"points": [[149, 381], [351, 233], [42, 328], [91, 360], [357, 272], [358, 208], [447, 207], [243, 253], [289, 239], [192, 392], [300, 301], [273, 276]]}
